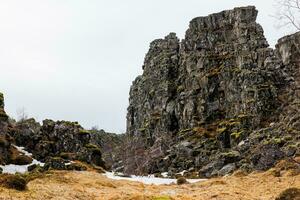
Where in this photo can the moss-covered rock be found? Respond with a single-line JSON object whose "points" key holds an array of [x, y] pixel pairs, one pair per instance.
{"points": [[21, 160]]}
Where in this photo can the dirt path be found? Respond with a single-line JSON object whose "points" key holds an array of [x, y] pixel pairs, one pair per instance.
{"points": [[66, 185]]}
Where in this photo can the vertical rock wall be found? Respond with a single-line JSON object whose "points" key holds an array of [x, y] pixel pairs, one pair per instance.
{"points": [[204, 95]]}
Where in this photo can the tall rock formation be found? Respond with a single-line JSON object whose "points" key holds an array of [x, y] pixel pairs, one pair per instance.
{"points": [[5, 140], [200, 101], [3, 115]]}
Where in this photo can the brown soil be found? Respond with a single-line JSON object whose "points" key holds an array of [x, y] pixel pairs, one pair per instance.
{"points": [[89, 185]]}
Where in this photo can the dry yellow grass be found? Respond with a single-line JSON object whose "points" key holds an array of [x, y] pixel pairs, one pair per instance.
{"points": [[89, 185]]}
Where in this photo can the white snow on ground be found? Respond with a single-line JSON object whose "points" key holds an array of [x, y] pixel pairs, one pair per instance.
{"points": [[148, 179], [12, 169], [164, 174], [22, 150]]}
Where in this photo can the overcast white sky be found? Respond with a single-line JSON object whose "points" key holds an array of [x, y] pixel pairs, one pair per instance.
{"points": [[75, 59]]}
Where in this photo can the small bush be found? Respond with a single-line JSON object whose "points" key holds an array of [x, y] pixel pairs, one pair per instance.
{"points": [[181, 180], [76, 167], [13, 182], [289, 194], [35, 168], [91, 146]]}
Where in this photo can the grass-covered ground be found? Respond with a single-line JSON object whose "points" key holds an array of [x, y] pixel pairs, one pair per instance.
{"points": [[91, 185]]}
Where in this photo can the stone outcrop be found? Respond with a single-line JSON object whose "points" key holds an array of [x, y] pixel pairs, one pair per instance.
{"points": [[111, 146], [9, 154], [215, 100], [64, 139], [57, 143], [5, 140], [3, 115]]}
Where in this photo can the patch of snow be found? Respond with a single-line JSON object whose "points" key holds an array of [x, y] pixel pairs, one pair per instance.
{"points": [[165, 174], [12, 169], [241, 143], [182, 173], [272, 124], [166, 158], [69, 163], [22, 150], [148, 179]]}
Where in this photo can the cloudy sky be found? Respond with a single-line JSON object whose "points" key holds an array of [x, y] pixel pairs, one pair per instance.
{"points": [[75, 59]]}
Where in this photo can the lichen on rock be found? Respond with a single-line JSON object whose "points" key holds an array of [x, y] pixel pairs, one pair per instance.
{"points": [[221, 89]]}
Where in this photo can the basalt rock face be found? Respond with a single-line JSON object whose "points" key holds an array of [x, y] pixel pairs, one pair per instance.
{"points": [[9, 154], [205, 104], [5, 140], [111, 146], [288, 50], [64, 139], [3, 116]]}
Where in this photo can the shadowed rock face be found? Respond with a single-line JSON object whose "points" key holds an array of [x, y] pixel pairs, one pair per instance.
{"points": [[56, 142], [57, 139], [68, 140], [8, 153], [201, 102], [5, 140], [3, 115]]}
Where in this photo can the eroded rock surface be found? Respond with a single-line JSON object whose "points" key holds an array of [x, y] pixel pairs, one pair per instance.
{"points": [[219, 100], [9, 154], [64, 139]]}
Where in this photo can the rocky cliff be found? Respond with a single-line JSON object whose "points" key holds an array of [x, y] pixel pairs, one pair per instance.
{"points": [[218, 100]]}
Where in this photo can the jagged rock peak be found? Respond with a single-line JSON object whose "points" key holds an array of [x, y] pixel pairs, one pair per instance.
{"points": [[3, 115], [198, 99], [228, 17], [289, 48]]}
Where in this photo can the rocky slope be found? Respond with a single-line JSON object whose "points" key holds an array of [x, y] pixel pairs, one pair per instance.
{"points": [[216, 101]]}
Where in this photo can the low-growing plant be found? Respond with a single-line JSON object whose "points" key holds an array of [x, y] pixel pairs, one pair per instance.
{"points": [[181, 181], [13, 181]]}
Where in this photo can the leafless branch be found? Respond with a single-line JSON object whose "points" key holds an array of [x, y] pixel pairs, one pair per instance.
{"points": [[288, 13]]}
